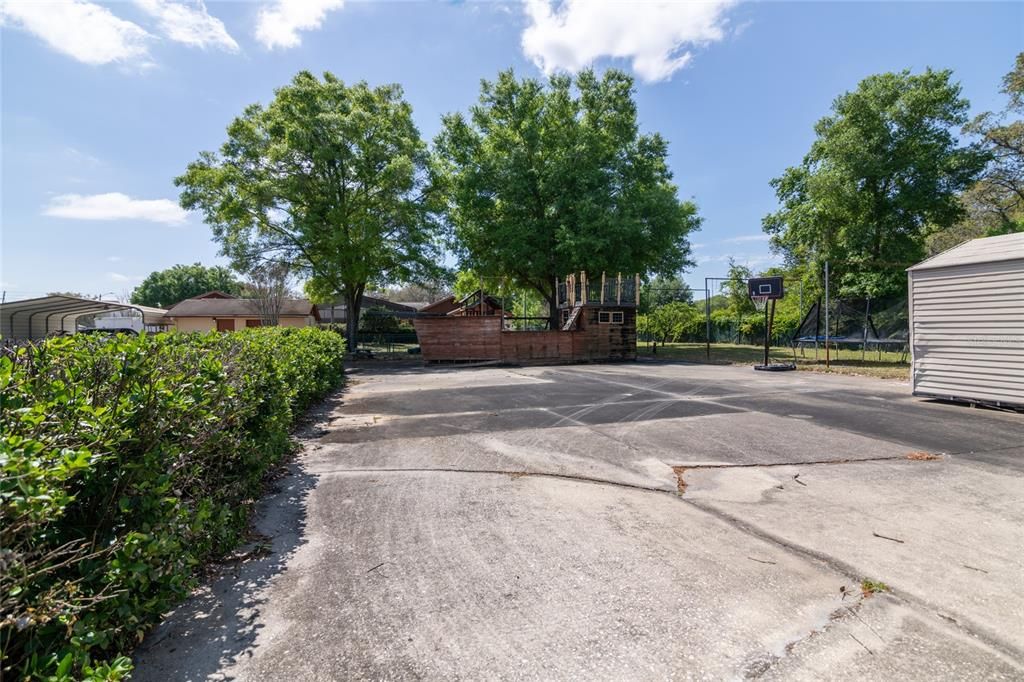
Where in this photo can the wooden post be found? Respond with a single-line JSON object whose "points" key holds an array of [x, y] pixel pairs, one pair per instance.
{"points": [[602, 287], [618, 290], [637, 289], [583, 287]]}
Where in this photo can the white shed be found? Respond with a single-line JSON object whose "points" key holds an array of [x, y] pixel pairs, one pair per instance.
{"points": [[967, 322]]}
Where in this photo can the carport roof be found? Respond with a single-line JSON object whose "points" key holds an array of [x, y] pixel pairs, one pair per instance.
{"points": [[36, 317]]}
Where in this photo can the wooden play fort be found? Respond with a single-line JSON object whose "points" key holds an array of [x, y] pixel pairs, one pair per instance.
{"points": [[597, 324]]}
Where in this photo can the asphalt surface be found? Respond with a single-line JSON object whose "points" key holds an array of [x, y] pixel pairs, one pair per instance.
{"points": [[633, 521]]}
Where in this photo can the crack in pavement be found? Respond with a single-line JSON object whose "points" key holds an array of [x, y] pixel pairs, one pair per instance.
{"points": [[850, 571], [518, 473], [514, 473], [836, 565], [680, 470]]}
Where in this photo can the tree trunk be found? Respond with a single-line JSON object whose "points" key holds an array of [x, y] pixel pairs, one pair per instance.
{"points": [[550, 294], [554, 318], [354, 303]]}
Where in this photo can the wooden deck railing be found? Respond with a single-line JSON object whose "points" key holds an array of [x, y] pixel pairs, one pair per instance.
{"points": [[607, 290]]}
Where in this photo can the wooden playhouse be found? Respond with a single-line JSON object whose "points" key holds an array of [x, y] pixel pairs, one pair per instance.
{"points": [[598, 324]]}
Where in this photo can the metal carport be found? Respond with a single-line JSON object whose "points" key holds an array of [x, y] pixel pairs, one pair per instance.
{"points": [[35, 318]]}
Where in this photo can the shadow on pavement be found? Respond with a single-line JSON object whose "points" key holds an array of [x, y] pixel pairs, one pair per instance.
{"points": [[219, 623]]}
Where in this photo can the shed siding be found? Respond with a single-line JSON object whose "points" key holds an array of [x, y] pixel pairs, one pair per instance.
{"points": [[967, 327]]}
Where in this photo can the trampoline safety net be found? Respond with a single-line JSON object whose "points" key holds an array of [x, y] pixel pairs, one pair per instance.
{"points": [[883, 322]]}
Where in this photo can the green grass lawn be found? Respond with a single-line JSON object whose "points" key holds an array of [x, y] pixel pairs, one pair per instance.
{"points": [[843, 361]]}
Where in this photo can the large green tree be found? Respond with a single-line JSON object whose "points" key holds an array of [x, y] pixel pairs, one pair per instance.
{"points": [[995, 203], [327, 179], [164, 288], [546, 179], [885, 168]]}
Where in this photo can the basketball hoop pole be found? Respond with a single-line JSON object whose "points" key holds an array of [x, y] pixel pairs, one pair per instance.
{"points": [[762, 290], [766, 332]]}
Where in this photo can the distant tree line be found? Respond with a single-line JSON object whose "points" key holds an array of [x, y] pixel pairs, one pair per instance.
{"points": [[543, 177], [538, 179]]}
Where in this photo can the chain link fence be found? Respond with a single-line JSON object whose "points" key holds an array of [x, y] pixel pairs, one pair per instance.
{"points": [[715, 321]]}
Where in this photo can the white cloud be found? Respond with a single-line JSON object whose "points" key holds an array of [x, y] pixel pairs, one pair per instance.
{"points": [[189, 23], [747, 238], [114, 259], [118, 277], [114, 206], [83, 30], [279, 23], [650, 34], [749, 260]]}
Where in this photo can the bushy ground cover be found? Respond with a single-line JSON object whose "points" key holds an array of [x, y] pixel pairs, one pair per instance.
{"points": [[125, 465]]}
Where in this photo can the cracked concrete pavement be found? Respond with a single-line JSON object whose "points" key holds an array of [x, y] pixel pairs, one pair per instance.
{"points": [[526, 524]]}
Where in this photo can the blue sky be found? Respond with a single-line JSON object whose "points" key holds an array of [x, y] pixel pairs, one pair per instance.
{"points": [[104, 104]]}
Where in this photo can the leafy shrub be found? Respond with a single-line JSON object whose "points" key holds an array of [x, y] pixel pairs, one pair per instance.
{"points": [[124, 465]]}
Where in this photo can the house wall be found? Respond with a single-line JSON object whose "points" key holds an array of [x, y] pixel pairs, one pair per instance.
{"points": [[296, 321], [468, 339], [208, 324], [967, 332], [194, 324]]}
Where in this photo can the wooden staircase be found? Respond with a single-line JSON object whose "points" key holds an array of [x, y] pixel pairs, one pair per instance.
{"points": [[573, 317]]}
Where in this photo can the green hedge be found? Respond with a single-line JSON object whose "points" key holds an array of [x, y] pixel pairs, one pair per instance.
{"points": [[127, 463]]}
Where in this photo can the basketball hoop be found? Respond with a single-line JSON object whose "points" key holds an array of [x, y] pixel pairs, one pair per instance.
{"points": [[761, 290]]}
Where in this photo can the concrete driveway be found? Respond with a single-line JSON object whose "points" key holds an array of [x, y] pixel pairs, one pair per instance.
{"points": [[630, 521]]}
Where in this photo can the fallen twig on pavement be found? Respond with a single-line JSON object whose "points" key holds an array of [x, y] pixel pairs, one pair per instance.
{"points": [[862, 644]]}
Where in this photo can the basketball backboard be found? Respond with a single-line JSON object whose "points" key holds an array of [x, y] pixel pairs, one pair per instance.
{"points": [[765, 287]]}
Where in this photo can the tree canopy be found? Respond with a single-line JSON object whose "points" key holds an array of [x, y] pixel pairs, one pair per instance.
{"points": [[668, 322], [545, 179], [662, 290], [885, 169], [736, 292], [164, 288], [328, 179], [995, 203]]}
